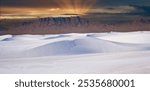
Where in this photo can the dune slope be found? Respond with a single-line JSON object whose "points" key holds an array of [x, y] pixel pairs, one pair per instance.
{"points": [[76, 53]]}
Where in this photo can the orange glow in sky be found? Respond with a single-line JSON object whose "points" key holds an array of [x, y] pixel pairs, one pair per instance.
{"points": [[63, 7]]}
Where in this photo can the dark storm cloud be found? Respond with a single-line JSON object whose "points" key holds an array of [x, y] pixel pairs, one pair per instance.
{"points": [[27, 3], [123, 2], [52, 3]]}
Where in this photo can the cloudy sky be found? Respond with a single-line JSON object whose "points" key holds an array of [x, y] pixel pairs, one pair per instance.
{"points": [[54, 3], [40, 7]]}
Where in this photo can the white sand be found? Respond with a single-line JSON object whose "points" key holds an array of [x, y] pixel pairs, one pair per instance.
{"points": [[76, 53]]}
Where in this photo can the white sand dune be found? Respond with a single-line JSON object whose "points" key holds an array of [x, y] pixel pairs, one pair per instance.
{"points": [[76, 53], [4, 37], [135, 37]]}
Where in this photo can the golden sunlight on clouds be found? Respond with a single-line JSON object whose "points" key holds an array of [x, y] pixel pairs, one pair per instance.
{"points": [[63, 7], [13, 10], [17, 13], [76, 6]]}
